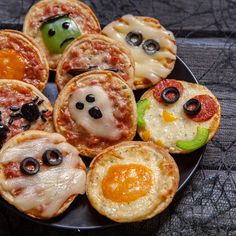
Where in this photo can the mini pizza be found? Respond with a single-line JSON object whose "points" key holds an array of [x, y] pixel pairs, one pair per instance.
{"points": [[21, 59], [40, 173], [132, 181], [54, 24], [178, 115], [22, 107], [95, 110], [95, 52], [152, 47]]}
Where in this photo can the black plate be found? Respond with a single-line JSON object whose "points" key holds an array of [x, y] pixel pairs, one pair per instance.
{"points": [[80, 215]]}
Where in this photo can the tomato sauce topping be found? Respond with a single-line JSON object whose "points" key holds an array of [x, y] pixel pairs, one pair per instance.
{"points": [[163, 84], [122, 112], [16, 96], [208, 108], [19, 61]]}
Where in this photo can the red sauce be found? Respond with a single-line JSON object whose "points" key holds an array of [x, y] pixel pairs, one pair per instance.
{"points": [[33, 69], [113, 59], [17, 96], [122, 113], [163, 84], [209, 108]]}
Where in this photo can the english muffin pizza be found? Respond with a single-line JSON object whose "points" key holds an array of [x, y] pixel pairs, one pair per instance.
{"points": [[95, 110], [22, 107], [178, 115], [54, 24], [40, 173], [152, 47], [95, 52], [132, 181], [21, 59]]}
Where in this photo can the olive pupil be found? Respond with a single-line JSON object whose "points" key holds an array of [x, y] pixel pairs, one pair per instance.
{"points": [[66, 25], [79, 105], [51, 32], [95, 112], [90, 98]]}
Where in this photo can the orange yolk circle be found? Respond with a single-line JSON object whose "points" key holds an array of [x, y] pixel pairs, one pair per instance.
{"points": [[12, 65], [125, 183]]}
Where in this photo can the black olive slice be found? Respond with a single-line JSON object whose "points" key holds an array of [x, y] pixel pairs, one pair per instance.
{"points": [[29, 166], [79, 105], [30, 111], [66, 25], [151, 46], [90, 98], [95, 112], [52, 157], [168, 91], [3, 132], [134, 38], [192, 107], [78, 71], [51, 32]]}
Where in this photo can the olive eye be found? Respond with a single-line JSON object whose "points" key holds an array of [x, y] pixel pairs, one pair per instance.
{"points": [[29, 166], [52, 157], [192, 107], [151, 46], [79, 105], [134, 39], [51, 32], [95, 112], [170, 95], [90, 98], [66, 25]]}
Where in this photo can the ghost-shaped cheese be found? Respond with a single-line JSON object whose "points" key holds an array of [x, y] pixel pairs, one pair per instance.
{"points": [[96, 114]]}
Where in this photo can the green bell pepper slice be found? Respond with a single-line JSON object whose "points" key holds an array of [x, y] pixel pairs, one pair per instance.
{"points": [[198, 141], [142, 106]]}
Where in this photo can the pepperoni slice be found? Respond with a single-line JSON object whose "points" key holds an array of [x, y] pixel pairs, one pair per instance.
{"points": [[208, 108], [159, 87]]}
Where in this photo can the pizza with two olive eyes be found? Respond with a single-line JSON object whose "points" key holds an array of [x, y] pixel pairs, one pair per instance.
{"points": [[132, 181], [21, 59], [54, 24], [178, 115], [95, 52], [94, 111], [40, 173], [22, 107], [152, 47]]}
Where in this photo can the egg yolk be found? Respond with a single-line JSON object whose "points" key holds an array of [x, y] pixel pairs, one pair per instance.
{"points": [[125, 183], [12, 65]]}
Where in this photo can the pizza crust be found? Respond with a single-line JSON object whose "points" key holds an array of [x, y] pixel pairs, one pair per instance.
{"points": [[36, 12], [29, 136], [66, 93], [89, 38], [36, 50], [165, 181]]}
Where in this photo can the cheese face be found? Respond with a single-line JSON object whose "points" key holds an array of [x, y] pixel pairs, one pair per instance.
{"points": [[180, 127], [104, 127], [152, 67], [51, 187]]}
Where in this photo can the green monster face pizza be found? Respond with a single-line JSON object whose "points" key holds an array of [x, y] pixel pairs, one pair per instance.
{"points": [[54, 24], [58, 33]]}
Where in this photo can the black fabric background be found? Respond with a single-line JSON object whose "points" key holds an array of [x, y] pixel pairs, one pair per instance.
{"points": [[206, 40]]}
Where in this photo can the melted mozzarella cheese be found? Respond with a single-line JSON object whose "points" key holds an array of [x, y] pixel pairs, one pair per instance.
{"points": [[146, 66], [50, 187], [104, 127], [183, 128]]}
